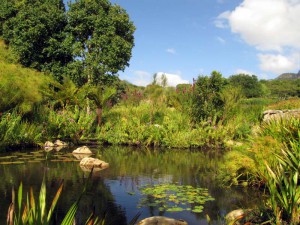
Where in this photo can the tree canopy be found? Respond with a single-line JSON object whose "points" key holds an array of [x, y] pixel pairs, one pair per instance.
{"points": [[207, 100], [92, 41], [35, 31], [250, 85]]}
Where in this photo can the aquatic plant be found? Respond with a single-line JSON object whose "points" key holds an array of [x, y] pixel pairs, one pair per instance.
{"points": [[32, 212], [175, 198]]}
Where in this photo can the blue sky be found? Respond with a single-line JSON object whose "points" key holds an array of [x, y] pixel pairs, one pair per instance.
{"points": [[188, 38]]}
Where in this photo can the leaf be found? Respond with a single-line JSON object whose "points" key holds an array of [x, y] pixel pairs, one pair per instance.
{"points": [[54, 201], [42, 200]]}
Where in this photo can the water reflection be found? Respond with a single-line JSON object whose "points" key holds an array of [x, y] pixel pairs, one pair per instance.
{"points": [[116, 189]]}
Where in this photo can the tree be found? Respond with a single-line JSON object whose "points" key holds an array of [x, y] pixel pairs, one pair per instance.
{"points": [[250, 85], [35, 31], [102, 38], [207, 100]]}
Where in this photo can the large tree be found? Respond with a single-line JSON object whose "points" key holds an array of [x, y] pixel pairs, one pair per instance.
{"points": [[102, 37], [35, 31], [249, 85]]}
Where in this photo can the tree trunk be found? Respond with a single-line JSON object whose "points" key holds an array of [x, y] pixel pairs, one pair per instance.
{"points": [[99, 115]]}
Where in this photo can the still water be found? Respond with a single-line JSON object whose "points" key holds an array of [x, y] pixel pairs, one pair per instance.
{"points": [[115, 191]]}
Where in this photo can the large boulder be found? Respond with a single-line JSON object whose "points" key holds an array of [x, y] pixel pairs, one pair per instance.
{"points": [[82, 150], [161, 220], [89, 163]]}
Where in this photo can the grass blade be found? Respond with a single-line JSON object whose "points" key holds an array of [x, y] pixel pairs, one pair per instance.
{"points": [[54, 201], [42, 200]]}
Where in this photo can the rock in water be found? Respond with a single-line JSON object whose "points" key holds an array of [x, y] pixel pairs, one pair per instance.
{"points": [[236, 215], [90, 162], [161, 220], [48, 144], [60, 143], [82, 150]]}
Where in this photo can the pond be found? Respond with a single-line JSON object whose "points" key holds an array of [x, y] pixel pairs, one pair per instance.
{"points": [[118, 190]]}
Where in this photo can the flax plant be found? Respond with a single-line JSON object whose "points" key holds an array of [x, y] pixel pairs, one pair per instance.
{"points": [[32, 212], [283, 184]]}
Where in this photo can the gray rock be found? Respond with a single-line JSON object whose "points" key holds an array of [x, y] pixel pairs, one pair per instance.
{"points": [[82, 150], [161, 220]]}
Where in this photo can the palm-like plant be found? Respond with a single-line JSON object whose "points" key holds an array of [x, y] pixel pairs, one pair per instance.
{"points": [[62, 94], [100, 96]]}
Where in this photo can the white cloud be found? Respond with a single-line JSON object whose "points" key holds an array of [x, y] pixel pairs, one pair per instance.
{"points": [[267, 24], [279, 63], [222, 20], [172, 79], [242, 71], [171, 51], [271, 26]]}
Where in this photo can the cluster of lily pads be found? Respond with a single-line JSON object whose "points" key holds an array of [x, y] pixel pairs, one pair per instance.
{"points": [[174, 197]]}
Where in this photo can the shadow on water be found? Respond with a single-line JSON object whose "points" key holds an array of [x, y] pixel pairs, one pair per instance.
{"points": [[116, 190]]}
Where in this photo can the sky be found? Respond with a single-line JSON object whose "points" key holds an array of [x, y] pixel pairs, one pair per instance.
{"points": [[187, 38]]}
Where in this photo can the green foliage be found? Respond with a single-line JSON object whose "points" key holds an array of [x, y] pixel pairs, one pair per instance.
{"points": [[73, 122], [19, 87], [101, 97], [283, 130], [36, 34], [231, 96], [250, 86], [291, 103], [102, 38], [207, 101], [175, 198], [62, 95], [32, 212], [283, 184], [16, 132], [283, 88], [168, 127]]}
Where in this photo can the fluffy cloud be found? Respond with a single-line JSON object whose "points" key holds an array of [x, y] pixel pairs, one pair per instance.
{"points": [[278, 63], [172, 79], [267, 24], [143, 78], [270, 26]]}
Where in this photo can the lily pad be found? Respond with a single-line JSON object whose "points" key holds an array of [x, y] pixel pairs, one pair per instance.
{"points": [[12, 163], [175, 198]]}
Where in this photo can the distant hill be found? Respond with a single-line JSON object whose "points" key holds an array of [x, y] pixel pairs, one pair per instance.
{"points": [[289, 76]]}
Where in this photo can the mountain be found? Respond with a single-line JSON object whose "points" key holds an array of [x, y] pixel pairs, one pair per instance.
{"points": [[289, 76]]}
